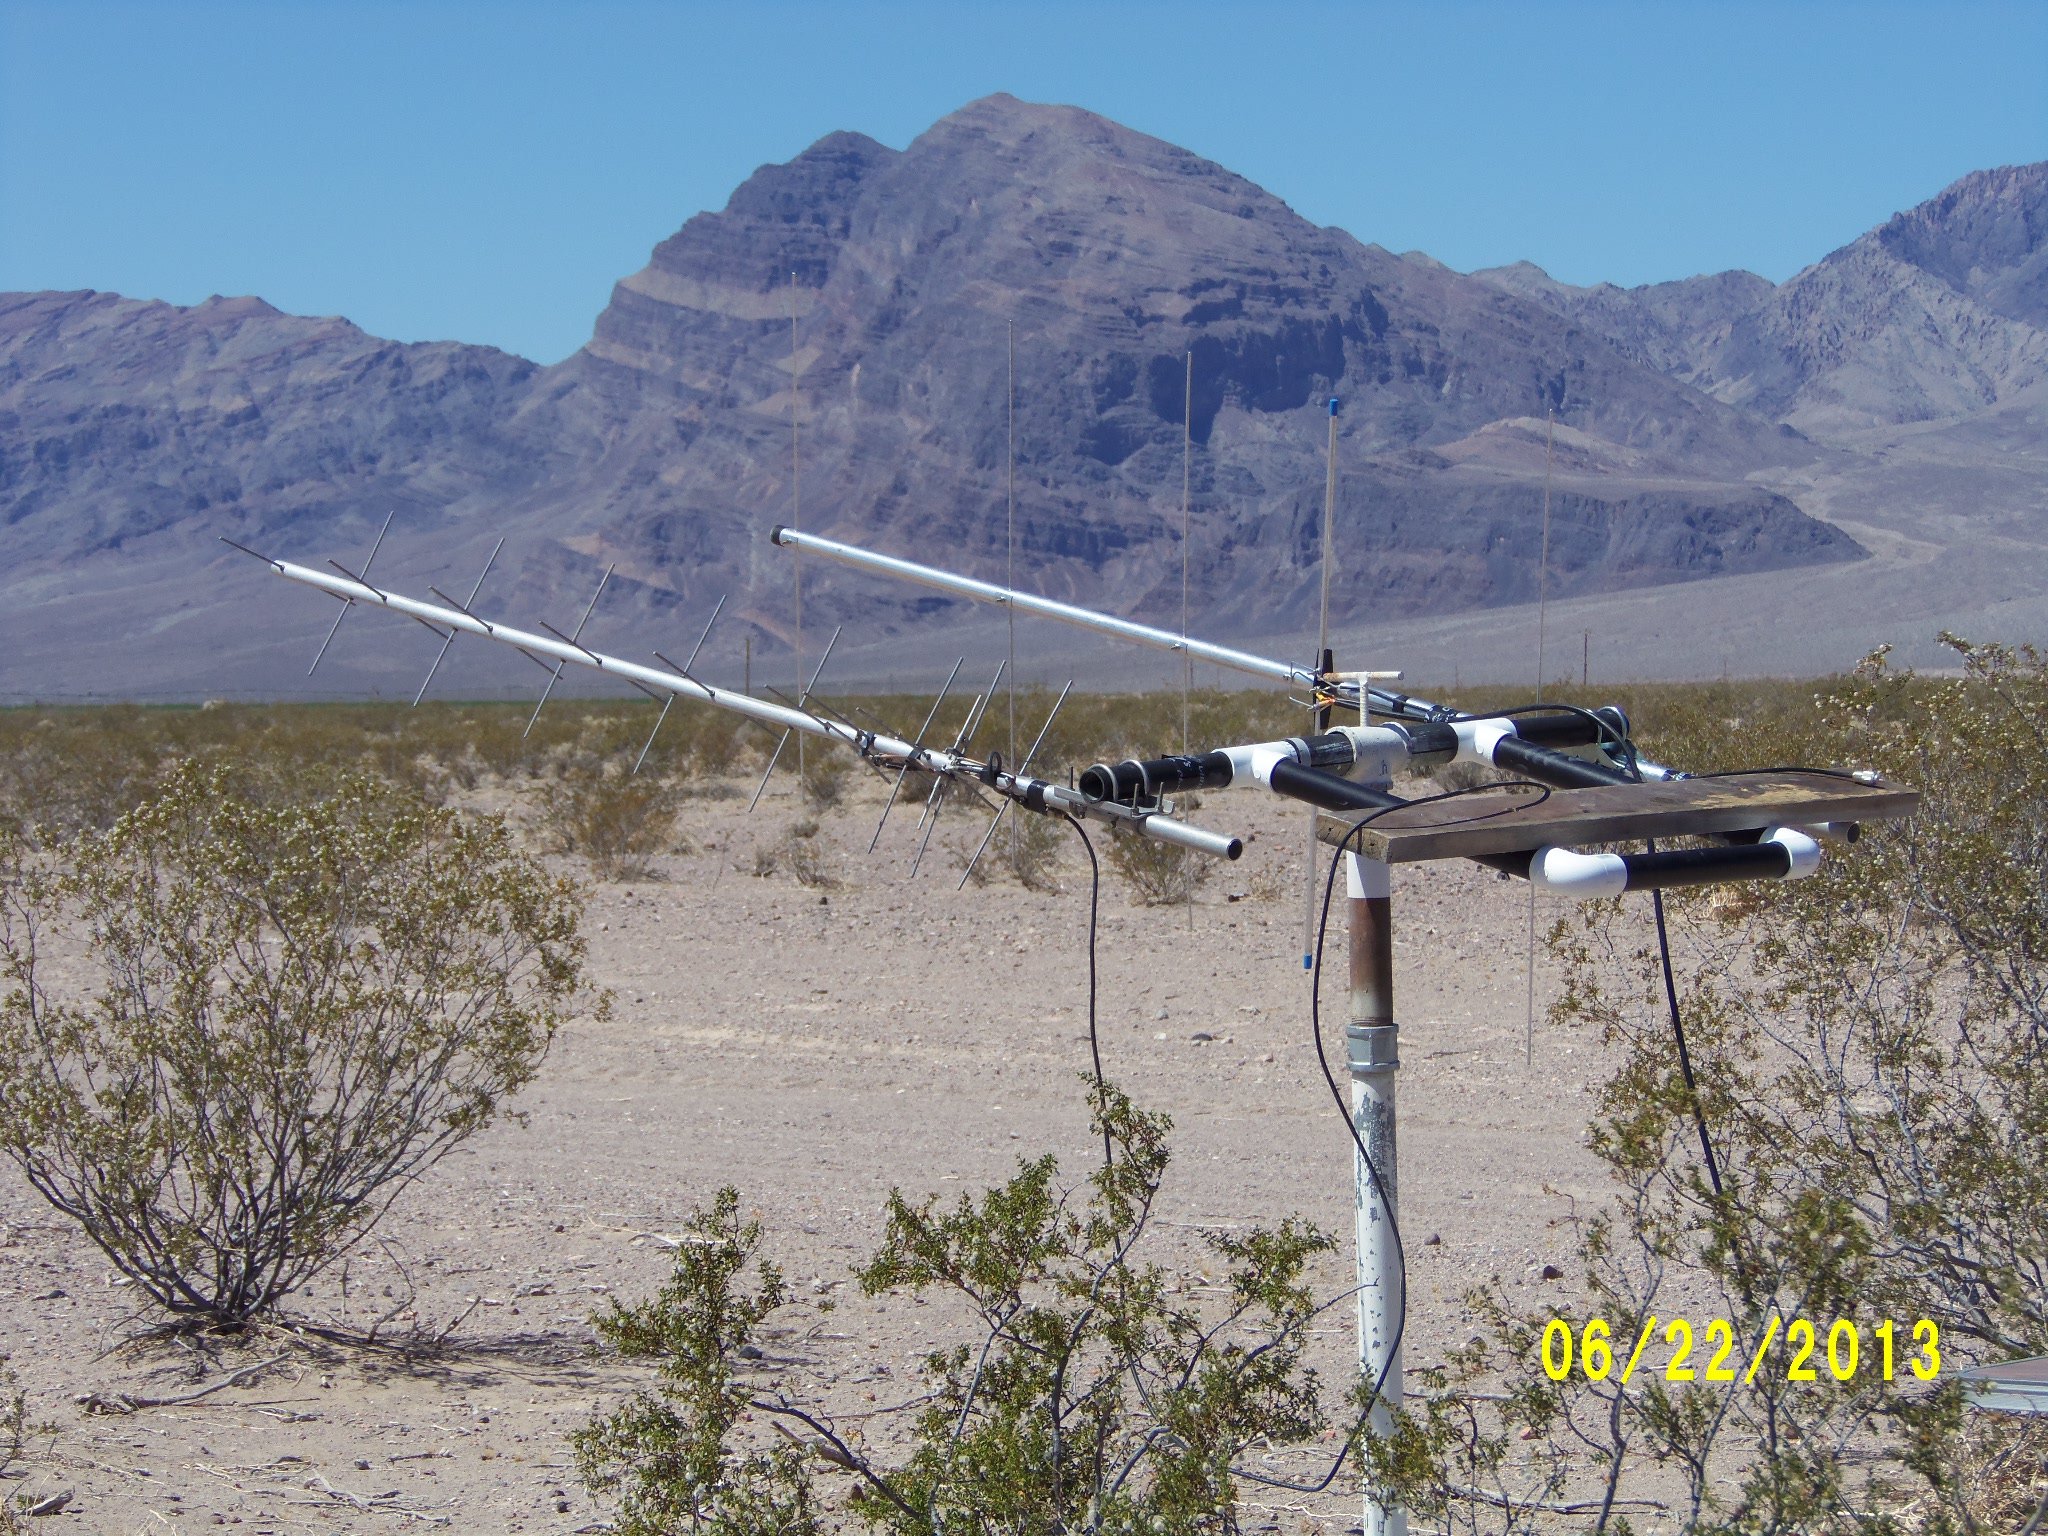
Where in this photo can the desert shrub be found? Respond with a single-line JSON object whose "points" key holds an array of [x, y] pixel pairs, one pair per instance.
{"points": [[617, 820], [1030, 849], [1094, 1392], [1160, 874], [824, 777], [798, 853], [1870, 1049], [233, 1031]]}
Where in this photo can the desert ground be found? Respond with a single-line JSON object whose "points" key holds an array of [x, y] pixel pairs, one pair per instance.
{"points": [[816, 1047]]}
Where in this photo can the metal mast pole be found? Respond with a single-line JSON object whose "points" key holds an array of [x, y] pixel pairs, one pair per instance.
{"points": [[1372, 1048]]}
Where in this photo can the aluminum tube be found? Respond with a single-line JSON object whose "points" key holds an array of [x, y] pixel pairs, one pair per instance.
{"points": [[1038, 795], [1044, 607]]}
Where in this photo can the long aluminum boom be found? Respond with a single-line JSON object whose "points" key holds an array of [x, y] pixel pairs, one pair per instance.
{"points": [[1044, 607], [1384, 701], [1034, 794]]}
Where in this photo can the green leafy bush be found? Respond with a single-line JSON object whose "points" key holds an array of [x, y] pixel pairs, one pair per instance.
{"points": [[234, 1029], [1092, 1396]]}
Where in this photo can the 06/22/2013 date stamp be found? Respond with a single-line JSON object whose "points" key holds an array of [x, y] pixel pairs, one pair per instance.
{"points": [[1807, 1351]]}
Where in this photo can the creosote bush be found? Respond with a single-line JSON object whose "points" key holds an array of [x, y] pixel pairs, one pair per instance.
{"points": [[618, 820], [1870, 1048], [235, 1027], [1092, 1396], [1160, 874]]}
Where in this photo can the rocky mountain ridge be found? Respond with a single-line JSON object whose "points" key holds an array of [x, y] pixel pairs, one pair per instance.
{"points": [[1937, 313], [888, 287]]}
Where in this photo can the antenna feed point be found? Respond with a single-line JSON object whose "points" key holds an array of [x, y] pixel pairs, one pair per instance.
{"points": [[775, 534]]}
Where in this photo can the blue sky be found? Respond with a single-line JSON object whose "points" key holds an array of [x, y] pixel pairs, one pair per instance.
{"points": [[484, 172]]}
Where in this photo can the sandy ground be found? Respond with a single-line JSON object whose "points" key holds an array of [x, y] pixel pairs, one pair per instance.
{"points": [[816, 1049]]}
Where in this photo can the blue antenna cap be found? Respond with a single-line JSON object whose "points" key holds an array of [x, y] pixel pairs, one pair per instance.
{"points": [[1333, 405]]}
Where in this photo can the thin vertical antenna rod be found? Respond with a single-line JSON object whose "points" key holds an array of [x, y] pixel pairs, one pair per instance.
{"points": [[1010, 577], [349, 602], [1187, 528], [1316, 719], [795, 516], [1543, 558]]}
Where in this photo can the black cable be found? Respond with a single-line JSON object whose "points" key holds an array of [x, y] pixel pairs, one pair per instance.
{"points": [[1692, 1090], [1094, 911], [1692, 1087], [1315, 1013]]}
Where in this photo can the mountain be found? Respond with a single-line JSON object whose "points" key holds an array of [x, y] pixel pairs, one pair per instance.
{"points": [[1940, 312], [133, 434]]}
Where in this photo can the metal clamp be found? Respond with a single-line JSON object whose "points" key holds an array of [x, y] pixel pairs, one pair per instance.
{"points": [[1373, 1048]]}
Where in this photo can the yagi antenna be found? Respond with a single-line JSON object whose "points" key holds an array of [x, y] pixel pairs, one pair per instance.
{"points": [[879, 747], [441, 655], [802, 700], [346, 603], [562, 661], [685, 670], [930, 716]]}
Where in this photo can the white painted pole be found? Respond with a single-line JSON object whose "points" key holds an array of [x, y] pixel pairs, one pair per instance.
{"points": [[1373, 1049], [1372, 1043]]}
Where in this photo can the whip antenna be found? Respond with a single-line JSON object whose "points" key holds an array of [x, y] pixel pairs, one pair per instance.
{"points": [[796, 569], [1318, 708], [1010, 579]]}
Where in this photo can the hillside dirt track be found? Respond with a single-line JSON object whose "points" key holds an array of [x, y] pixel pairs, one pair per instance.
{"points": [[815, 1048]]}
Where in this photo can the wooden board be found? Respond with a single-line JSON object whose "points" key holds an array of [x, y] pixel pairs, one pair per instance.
{"points": [[1509, 821]]}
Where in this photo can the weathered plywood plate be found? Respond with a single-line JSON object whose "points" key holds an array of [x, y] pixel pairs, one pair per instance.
{"points": [[1510, 821]]}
